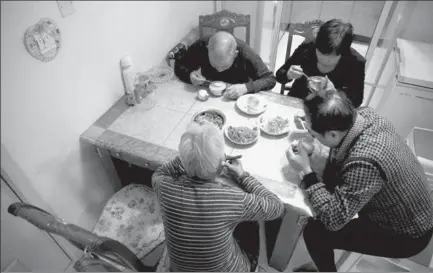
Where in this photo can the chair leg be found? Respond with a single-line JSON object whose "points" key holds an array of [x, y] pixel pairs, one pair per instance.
{"points": [[347, 260]]}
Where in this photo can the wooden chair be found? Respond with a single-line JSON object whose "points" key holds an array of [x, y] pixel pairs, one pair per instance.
{"points": [[225, 20], [308, 30]]}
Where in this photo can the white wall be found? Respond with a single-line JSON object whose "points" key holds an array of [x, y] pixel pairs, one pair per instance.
{"points": [[244, 7], [419, 27], [45, 107]]}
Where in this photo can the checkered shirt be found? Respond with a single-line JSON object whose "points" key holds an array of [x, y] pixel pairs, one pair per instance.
{"points": [[375, 174]]}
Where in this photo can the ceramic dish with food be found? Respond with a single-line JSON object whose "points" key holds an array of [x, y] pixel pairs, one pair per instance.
{"points": [[252, 104], [242, 134], [274, 125], [217, 88], [213, 116]]}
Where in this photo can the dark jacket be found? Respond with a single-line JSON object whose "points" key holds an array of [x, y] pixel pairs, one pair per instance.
{"points": [[248, 68], [348, 76]]}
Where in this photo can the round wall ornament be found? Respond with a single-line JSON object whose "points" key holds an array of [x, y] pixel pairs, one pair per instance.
{"points": [[42, 40]]}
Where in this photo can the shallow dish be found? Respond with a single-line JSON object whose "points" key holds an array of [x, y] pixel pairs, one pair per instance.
{"points": [[213, 116], [243, 134], [252, 104], [274, 125]]}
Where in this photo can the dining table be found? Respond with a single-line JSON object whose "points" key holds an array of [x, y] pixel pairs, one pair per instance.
{"points": [[148, 133]]}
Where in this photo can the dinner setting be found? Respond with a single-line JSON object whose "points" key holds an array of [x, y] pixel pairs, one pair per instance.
{"points": [[217, 122], [216, 136]]}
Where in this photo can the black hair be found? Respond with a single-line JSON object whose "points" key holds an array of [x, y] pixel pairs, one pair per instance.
{"points": [[331, 110], [334, 36]]}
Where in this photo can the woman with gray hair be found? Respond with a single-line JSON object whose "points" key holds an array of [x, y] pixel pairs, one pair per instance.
{"points": [[201, 215]]}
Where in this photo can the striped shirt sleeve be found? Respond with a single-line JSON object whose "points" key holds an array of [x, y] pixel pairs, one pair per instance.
{"points": [[362, 181], [259, 202], [169, 170]]}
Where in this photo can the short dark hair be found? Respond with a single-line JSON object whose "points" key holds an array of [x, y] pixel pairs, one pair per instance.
{"points": [[334, 36], [331, 110]]}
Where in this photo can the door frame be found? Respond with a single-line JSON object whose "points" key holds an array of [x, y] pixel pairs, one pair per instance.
{"points": [[20, 184], [399, 18]]}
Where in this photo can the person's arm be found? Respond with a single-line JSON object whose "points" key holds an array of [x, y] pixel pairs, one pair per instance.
{"points": [[259, 203], [262, 78], [361, 181], [296, 59], [169, 170], [354, 87], [190, 61]]}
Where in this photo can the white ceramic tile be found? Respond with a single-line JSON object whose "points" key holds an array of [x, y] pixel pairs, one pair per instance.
{"points": [[176, 96], [219, 103], [151, 125], [267, 158], [173, 140]]}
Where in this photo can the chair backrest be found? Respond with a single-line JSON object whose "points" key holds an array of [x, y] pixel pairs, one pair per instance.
{"points": [[225, 20], [102, 253], [308, 30]]}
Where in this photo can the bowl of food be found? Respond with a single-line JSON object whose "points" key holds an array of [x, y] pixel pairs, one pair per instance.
{"points": [[317, 83], [242, 134], [213, 116], [274, 125], [217, 88]]}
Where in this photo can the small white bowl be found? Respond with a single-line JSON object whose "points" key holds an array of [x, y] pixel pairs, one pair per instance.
{"points": [[217, 88]]}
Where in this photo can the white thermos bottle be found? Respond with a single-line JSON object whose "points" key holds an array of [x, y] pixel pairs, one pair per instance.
{"points": [[128, 80]]}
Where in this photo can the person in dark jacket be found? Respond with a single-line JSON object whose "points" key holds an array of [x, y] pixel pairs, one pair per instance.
{"points": [[329, 55], [222, 57]]}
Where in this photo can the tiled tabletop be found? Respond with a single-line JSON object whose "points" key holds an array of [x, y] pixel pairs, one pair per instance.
{"points": [[148, 134]]}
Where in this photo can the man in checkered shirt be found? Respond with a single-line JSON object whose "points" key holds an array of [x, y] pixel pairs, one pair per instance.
{"points": [[370, 172]]}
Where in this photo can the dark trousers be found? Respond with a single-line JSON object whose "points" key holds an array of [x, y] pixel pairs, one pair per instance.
{"points": [[247, 234], [359, 236]]}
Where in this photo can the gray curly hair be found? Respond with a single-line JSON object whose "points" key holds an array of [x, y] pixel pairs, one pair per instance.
{"points": [[202, 150]]}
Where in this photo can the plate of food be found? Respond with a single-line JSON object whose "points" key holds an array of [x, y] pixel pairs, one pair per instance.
{"points": [[252, 104], [242, 134], [274, 125], [213, 116]]}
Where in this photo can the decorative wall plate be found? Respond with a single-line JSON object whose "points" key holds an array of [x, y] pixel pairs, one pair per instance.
{"points": [[42, 40]]}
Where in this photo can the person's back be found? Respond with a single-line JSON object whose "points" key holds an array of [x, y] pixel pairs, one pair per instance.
{"points": [[404, 205], [199, 220], [200, 215]]}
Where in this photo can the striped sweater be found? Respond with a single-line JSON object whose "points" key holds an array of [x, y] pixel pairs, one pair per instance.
{"points": [[200, 217]]}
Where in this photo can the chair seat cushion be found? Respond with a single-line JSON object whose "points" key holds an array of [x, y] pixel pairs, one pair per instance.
{"points": [[132, 216]]}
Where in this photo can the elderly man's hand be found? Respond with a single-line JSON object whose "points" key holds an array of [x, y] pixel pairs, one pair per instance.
{"points": [[197, 78], [298, 159], [235, 91], [234, 168]]}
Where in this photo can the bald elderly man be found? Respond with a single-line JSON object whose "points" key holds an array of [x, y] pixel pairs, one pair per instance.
{"points": [[222, 57]]}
